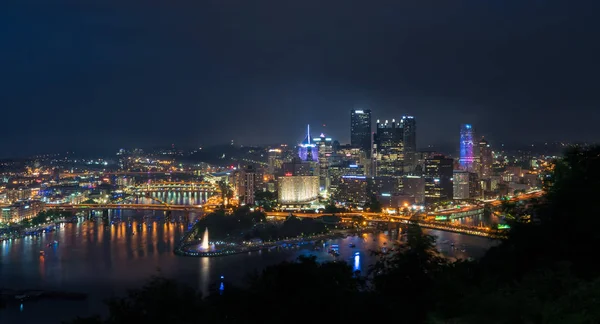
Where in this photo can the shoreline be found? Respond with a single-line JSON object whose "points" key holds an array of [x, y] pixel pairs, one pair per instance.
{"points": [[180, 250]]}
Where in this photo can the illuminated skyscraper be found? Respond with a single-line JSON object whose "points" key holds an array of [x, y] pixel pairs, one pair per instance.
{"points": [[460, 182], [438, 179], [388, 149], [360, 130], [275, 161], [409, 138], [486, 159], [325, 149], [467, 152], [247, 185], [307, 150]]}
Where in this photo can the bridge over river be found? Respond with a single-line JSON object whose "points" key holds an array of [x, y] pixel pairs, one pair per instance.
{"points": [[369, 217]]}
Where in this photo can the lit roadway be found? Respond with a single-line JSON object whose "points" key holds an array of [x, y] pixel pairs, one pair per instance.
{"points": [[371, 217], [163, 207], [494, 203]]}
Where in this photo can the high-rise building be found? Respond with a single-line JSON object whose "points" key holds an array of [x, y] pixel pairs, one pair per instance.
{"points": [[414, 186], [307, 150], [275, 161], [347, 153], [340, 169], [409, 138], [325, 149], [474, 186], [486, 159], [466, 185], [388, 153], [461, 184], [360, 130], [438, 175], [467, 148], [247, 185], [352, 189]]}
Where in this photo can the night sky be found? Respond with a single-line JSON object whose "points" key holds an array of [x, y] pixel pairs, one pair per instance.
{"points": [[99, 75]]}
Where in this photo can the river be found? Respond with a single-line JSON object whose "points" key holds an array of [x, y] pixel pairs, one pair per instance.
{"points": [[105, 258]]}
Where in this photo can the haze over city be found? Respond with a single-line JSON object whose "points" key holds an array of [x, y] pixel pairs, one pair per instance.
{"points": [[112, 74], [330, 161]]}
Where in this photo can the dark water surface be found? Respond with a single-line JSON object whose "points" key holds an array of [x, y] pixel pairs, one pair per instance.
{"points": [[103, 258]]}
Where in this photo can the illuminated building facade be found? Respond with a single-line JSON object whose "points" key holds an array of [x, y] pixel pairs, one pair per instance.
{"points": [[275, 161], [461, 184], [360, 130], [467, 152], [338, 170], [388, 153], [325, 149], [409, 138], [247, 183], [352, 189], [486, 159], [307, 150], [358, 156], [295, 190], [438, 175]]}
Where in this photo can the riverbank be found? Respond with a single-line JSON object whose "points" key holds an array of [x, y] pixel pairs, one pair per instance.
{"points": [[191, 249], [17, 232]]}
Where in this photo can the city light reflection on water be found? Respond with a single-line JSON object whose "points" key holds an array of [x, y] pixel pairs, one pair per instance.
{"points": [[356, 266], [103, 257]]}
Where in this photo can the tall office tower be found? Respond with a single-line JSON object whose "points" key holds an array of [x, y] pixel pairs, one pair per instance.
{"points": [[275, 161], [247, 185], [409, 138], [388, 153], [414, 186], [486, 160], [467, 149], [360, 130], [307, 150], [340, 169], [461, 184], [325, 149], [438, 175]]}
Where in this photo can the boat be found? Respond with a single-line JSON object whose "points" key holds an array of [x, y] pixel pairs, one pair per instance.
{"points": [[352, 245], [42, 253]]}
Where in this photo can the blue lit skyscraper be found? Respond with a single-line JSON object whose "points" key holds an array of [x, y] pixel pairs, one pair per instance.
{"points": [[467, 153], [307, 150]]}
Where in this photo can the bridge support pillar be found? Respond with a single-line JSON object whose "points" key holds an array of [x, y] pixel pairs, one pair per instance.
{"points": [[168, 214], [105, 213]]}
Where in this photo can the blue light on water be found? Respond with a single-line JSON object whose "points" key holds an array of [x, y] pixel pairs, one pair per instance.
{"points": [[356, 262]]}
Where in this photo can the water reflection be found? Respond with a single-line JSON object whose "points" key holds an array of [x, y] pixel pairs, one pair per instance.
{"points": [[204, 278], [105, 259]]}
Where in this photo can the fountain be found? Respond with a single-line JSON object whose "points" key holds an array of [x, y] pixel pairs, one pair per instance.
{"points": [[204, 245]]}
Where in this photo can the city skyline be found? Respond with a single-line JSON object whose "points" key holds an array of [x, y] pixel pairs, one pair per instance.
{"points": [[203, 76]]}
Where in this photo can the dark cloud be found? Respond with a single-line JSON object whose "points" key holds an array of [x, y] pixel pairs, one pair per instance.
{"points": [[104, 74]]}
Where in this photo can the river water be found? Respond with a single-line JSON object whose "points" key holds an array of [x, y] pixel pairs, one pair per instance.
{"points": [[107, 257]]}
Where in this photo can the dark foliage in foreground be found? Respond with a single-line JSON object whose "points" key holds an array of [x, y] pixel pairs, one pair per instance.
{"points": [[544, 273]]}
